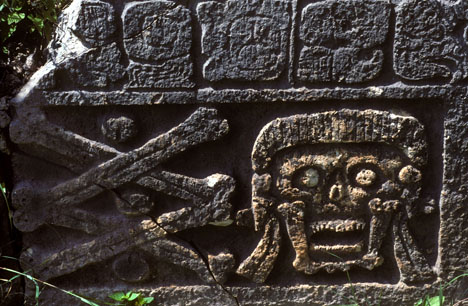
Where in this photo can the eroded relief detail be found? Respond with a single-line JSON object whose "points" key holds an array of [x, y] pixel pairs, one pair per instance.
{"points": [[119, 172], [341, 41], [431, 40], [158, 44], [158, 38], [137, 235], [342, 182], [244, 40], [96, 25]]}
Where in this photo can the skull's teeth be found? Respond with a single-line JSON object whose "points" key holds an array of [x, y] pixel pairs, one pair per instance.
{"points": [[345, 248], [338, 226]]}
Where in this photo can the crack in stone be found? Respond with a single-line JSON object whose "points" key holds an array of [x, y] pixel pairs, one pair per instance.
{"points": [[205, 260], [190, 242]]}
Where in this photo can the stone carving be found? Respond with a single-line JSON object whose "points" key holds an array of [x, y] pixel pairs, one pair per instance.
{"points": [[60, 205], [87, 53], [427, 40], [158, 38], [244, 40], [339, 196], [121, 181], [119, 129], [341, 41], [96, 24], [97, 67]]}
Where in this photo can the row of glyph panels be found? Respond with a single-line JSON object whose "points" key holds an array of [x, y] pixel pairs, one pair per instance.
{"points": [[333, 41]]}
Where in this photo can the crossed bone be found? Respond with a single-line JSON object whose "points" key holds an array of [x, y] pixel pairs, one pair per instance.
{"points": [[210, 196]]}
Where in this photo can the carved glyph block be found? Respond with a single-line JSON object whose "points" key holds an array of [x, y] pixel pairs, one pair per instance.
{"points": [[244, 40], [157, 37], [428, 42], [342, 41]]}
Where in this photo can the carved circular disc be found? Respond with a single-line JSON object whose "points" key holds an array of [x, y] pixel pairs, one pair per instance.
{"points": [[131, 267], [366, 177], [119, 129], [409, 175]]}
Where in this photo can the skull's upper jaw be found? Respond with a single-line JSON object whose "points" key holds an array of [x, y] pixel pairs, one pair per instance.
{"points": [[339, 244]]}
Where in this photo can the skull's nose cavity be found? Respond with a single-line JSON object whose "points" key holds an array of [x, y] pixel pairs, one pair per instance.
{"points": [[336, 192]]}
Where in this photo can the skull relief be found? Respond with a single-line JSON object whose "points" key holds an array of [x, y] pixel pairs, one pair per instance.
{"points": [[346, 197], [341, 182]]}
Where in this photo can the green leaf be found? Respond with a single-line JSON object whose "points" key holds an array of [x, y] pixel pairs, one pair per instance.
{"points": [[133, 296], [118, 296], [11, 31], [148, 300], [436, 301], [15, 18], [38, 24]]}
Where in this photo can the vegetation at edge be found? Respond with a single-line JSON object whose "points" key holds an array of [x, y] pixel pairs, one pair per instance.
{"points": [[27, 21]]}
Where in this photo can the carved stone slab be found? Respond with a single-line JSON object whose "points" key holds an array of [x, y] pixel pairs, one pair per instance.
{"points": [[247, 152]]}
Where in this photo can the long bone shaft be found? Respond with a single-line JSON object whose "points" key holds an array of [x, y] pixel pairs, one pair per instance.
{"points": [[210, 196], [294, 215], [146, 236], [202, 126], [57, 145]]}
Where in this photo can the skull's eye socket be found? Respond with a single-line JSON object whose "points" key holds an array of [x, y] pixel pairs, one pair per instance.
{"points": [[309, 177], [366, 177]]}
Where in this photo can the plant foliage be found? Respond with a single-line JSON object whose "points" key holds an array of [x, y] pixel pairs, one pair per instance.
{"points": [[27, 20], [131, 298], [121, 299]]}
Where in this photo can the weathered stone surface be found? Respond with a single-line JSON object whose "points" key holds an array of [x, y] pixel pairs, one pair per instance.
{"points": [[86, 54], [96, 23], [245, 153], [170, 73], [4, 122], [119, 129], [342, 40], [157, 37], [96, 68], [428, 42], [325, 191], [244, 40]]}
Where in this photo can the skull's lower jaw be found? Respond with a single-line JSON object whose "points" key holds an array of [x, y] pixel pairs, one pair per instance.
{"points": [[341, 256], [367, 262]]}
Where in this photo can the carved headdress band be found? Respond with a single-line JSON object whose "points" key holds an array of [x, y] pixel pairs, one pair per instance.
{"points": [[345, 126]]}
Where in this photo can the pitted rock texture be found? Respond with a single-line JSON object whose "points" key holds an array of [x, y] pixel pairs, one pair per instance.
{"points": [[96, 24], [98, 67], [157, 37], [245, 40], [428, 42], [332, 190], [245, 152], [342, 39]]}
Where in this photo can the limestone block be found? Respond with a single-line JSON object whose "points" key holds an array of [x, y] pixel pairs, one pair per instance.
{"points": [[427, 41], [95, 23], [245, 152], [158, 37], [97, 67], [322, 193], [244, 40], [342, 41]]}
